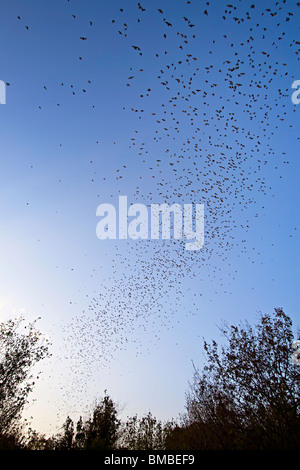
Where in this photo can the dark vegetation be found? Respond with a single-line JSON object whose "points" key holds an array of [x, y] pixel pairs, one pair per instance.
{"points": [[245, 397]]}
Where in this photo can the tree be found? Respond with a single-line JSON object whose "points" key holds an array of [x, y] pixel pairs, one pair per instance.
{"points": [[80, 434], [101, 431], [66, 440], [247, 395], [71, 439], [19, 352], [38, 441], [146, 433]]}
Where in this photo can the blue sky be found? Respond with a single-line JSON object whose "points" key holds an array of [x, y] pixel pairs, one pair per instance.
{"points": [[205, 119]]}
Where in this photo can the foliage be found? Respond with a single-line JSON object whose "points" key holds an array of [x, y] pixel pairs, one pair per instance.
{"points": [[19, 352], [146, 433], [101, 432], [247, 396]]}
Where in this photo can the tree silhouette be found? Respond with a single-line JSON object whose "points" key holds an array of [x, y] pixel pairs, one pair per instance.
{"points": [[20, 350], [66, 440], [247, 395], [146, 433], [80, 434], [101, 431]]}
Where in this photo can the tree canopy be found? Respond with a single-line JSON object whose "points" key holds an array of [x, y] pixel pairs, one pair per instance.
{"points": [[20, 350], [247, 395]]}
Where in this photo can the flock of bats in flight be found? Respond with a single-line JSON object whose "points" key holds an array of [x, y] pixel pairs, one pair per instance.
{"points": [[211, 142]]}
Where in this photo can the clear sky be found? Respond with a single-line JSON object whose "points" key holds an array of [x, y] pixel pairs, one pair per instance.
{"points": [[164, 102]]}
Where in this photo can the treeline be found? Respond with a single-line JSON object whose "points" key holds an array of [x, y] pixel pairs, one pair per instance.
{"points": [[104, 431], [246, 397]]}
